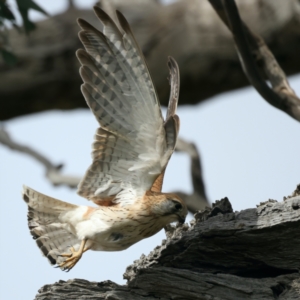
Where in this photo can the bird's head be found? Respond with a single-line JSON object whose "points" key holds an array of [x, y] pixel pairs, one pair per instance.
{"points": [[170, 207]]}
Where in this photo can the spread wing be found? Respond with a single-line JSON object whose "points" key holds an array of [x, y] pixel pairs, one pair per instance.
{"points": [[133, 145]]}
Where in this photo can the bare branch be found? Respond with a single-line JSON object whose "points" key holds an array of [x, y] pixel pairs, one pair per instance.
{"points": [[53, 172], [110, 8], [249, 46], [190, 31], [198, 199]]}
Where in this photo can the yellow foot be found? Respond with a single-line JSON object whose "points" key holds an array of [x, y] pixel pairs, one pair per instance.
{"points": [[72, 259]]}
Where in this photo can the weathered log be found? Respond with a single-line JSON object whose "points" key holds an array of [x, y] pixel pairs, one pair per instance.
{"points": [[46, 75], [251, 254]]}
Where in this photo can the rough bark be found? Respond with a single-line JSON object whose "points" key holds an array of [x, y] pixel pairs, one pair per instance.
{"points": [[252, 254], [46, 75]]}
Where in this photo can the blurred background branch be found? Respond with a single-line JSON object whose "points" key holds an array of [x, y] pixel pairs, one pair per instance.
{"points": [[252, 51], [52, 172], [8, 19], [45, 75], [198, 199]]}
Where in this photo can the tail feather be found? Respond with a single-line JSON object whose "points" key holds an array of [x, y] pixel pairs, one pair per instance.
{"points": [[52, 236]]}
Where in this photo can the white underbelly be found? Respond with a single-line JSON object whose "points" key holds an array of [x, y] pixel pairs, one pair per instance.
{"points": [[116, 233]]}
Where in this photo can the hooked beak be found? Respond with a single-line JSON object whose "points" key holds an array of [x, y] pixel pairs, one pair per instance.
{"points": [[181, 219]]}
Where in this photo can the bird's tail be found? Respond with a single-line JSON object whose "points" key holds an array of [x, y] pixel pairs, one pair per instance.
{"points": [[52, 236]]}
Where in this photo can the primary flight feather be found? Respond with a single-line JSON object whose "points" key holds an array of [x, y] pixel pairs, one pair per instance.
{"points": [[131, 150]]}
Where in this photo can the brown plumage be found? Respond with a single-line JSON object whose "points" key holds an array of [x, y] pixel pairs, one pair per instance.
{"points": [[130, 153]]}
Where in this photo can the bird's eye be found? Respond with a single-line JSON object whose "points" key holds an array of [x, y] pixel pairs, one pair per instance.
{"points": [[178, 206]]}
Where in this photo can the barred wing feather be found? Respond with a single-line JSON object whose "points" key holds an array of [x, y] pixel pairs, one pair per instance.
{"points": [[130, 149]]}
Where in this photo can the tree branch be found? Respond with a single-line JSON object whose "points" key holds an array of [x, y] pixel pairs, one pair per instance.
{"points": [[53, 172], [198, 199], [188, 30], [248, 45]]}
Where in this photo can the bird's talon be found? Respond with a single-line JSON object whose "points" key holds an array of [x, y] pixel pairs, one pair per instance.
{"points": [[71, 260], [66, 254]]}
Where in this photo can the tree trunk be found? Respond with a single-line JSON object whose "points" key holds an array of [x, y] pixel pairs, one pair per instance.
{"points": [[46, 75], [252, 254]]}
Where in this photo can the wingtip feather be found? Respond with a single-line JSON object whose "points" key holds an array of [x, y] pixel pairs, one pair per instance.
{"points": [[102, 15], [79, 21], [85, 74], [83, 23], [87, 26], [174, 81], [81, 55], [83, 38], [123, 22]]}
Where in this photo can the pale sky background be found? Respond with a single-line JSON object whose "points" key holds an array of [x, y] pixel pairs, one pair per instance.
{"points": [[250, 153]]}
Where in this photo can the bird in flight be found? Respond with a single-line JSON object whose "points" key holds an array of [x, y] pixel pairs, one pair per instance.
{"points": [[130, 153]]}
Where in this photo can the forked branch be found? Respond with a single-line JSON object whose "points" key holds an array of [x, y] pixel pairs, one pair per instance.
{"points": [[53, 172], [252, 51]]}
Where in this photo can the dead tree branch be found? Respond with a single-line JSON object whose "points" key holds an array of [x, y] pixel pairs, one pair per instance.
{"points": [[53, 172], [198, 199], [252, 254], [250, 45]]}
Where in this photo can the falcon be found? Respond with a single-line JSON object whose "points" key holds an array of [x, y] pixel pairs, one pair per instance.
{"points": [[130, 153]]}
